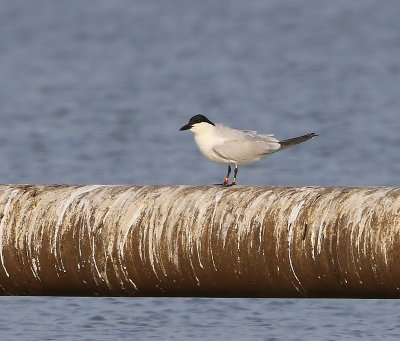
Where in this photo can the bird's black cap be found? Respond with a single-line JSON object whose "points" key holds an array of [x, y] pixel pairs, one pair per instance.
{"points": [[196, 119]]}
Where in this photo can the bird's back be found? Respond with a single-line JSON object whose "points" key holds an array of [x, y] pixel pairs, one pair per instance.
{"points": [[243, 135]]}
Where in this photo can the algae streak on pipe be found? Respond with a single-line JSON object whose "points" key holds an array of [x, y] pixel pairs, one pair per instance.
{"points": [[199, 241]]}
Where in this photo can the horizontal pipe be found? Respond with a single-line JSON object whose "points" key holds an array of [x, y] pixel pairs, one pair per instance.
{"points": [[199, 241]]}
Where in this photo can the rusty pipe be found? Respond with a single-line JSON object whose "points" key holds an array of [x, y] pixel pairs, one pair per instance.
{"points": [[199, 241]]}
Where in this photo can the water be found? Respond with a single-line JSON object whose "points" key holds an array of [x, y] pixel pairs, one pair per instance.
{"points": [[95, 92], [185, 319]]}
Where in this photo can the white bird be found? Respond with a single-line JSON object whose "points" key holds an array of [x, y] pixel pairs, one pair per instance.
{"points": [[231, 146]]}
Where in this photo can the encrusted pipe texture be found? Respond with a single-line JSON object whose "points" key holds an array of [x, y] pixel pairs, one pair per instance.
{"points": [[209, 241]]}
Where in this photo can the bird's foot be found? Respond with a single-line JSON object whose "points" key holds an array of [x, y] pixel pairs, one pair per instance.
{"points": [[226, 183]]}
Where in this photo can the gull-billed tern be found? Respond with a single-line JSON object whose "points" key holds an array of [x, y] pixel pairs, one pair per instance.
{"points": [[231, 146]]}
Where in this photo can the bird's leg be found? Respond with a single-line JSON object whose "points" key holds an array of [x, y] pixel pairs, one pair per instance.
{"points": [[227, 176], [234, 175]]}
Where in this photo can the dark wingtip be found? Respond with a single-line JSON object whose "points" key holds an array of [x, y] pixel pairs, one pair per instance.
{"points": [[296, 140]]}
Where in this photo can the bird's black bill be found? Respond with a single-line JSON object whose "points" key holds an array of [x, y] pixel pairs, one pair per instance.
{"points": [[186, 127]]}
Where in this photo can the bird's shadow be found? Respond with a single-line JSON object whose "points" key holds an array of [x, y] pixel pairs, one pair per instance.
{"points": [[223, 185]]}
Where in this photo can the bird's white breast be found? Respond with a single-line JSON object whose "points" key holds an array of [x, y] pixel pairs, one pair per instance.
{"points": [[205, 142]]}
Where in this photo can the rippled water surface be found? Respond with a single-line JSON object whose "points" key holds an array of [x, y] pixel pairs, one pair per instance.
{"points": [[96, 91], [213, 319]]}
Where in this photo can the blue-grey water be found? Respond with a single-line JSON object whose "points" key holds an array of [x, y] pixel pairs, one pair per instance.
{"points": [[95, 92]]}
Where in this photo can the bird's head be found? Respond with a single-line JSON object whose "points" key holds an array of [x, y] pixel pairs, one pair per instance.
{"points": [[198, 124]]}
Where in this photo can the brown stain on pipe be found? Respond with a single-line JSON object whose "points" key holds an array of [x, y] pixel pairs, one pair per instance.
{"points": [[199, 241]]}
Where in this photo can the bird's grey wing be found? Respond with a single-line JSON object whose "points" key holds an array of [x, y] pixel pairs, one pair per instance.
{"points": [[247, 150]]}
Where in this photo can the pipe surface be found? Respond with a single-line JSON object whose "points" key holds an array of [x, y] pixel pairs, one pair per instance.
{"points": [[199, 241]]}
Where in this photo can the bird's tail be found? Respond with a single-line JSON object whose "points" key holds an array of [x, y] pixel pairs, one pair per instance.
{"points": [[296, 140]]}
